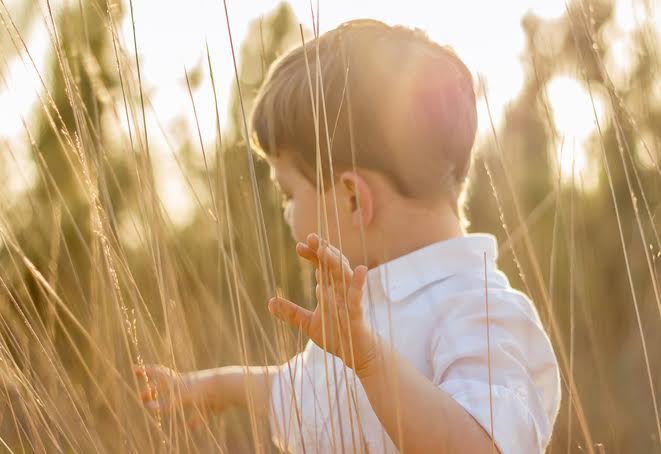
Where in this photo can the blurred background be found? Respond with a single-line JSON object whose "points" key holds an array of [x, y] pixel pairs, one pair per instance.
{"points": [[135, 227]]}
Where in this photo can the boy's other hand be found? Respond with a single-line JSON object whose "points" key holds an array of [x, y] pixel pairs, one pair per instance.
{"points": [[337, 323], [167, 391]]}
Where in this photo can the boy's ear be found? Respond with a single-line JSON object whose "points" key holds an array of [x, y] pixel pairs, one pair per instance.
{"points": [[361, 200]]}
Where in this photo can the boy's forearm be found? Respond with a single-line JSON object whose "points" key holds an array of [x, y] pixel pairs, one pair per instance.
{"points": [[238, 386], [418, 416]]}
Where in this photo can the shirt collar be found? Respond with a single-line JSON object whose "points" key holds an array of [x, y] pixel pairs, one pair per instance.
{"points": [[404, 275]]}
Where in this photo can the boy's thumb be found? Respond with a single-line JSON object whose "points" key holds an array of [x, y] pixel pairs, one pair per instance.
{"points": [[291, 313]]}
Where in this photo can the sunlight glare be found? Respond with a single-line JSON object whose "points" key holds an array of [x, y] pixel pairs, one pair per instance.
{"points": [[572, 108], [574, 120], [546, 9], [175, 194], [629, 15], [19, 97], [20, 84], [619, 60]]}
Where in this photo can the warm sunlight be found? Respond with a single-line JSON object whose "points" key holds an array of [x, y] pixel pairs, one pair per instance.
{"points": [[175, 43], [575, 122], [379, 268]]}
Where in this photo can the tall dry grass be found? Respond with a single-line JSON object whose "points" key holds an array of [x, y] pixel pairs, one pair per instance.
{"points": [[96, 276]]}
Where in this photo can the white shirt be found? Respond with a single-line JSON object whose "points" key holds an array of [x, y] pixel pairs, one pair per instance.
{"points": [[431, 304]]}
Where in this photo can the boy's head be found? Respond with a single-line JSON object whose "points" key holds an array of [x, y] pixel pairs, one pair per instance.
{"points": [[396, 111]]}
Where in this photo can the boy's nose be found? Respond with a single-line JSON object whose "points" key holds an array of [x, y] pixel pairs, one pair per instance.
{"points": [[288, 215]]}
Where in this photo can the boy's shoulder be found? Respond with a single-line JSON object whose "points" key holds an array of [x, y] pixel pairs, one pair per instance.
{"points": [[498, 301], [453, 279]]}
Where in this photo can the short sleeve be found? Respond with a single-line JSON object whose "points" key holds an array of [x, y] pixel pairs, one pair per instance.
{"points": [[283, 412], [524, 395]]}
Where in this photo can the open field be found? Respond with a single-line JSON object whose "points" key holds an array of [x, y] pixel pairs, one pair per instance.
{"points": [[131, 208]]}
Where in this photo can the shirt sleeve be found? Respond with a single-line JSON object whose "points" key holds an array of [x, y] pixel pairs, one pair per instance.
{"points": [[284, 408], [516, 399]]}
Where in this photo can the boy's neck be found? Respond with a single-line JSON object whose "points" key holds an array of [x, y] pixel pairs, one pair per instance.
{"points": [[407, 229]]}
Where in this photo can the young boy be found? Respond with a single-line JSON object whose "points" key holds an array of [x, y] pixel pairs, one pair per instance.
{"points": [[417, 342]]}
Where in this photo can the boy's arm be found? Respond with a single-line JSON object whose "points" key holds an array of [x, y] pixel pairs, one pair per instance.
{"points": [[216, 389], [418, 416], [237, 386]]}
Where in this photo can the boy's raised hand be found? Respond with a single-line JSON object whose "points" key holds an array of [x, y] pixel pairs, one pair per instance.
{"points": [[337, 323]]}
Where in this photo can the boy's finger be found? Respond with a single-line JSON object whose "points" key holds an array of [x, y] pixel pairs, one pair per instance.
{"points": [[355, 293], [156, 406], [313, 241], [146, 371], [337, 265], [291, 313], [304, 251], [140, 371], [148, 394]]}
